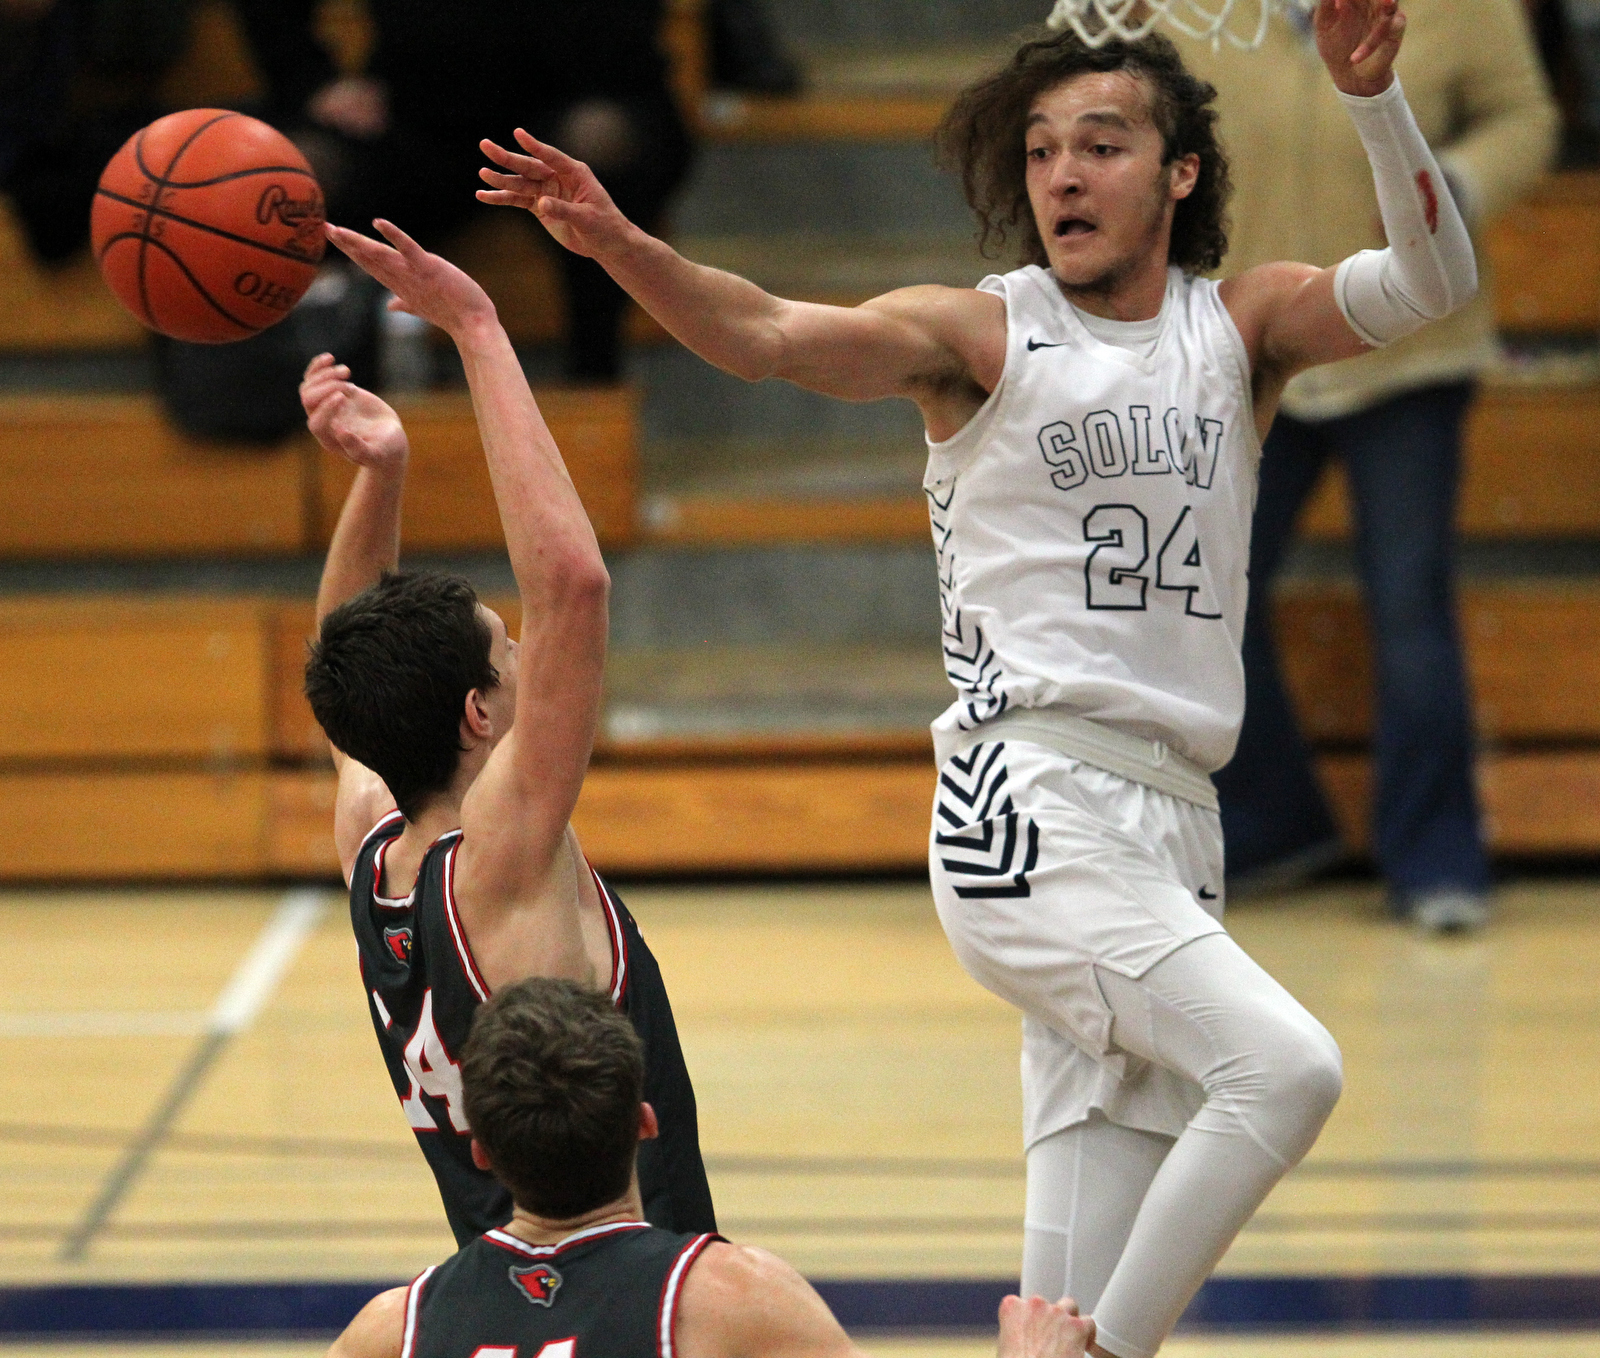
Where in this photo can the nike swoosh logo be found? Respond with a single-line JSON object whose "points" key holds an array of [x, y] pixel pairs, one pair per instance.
{"points": [[1043, 344], [1206, 894]]}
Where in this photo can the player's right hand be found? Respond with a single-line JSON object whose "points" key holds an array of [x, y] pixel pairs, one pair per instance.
{"points": [[1037, 1328], [561, 192], [350, 420], [423, 284]]}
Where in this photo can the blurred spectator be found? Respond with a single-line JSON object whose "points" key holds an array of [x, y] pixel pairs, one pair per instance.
{"points": [[400, 139], [1394, 419], [746, 53], [77, 79], [1581, 21]]}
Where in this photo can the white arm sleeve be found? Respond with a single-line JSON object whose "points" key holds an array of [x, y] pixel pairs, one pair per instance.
{"points": [[1429, 269]]}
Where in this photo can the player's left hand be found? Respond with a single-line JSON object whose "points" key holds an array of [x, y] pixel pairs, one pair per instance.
{"points": [[1358, 41], [423, 284], [350, 420], [1037, 1328]]}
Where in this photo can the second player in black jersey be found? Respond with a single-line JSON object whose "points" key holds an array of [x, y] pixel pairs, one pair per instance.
{"points": [[552, 1080], [423, 988], [461, 752], [609, 1290]]}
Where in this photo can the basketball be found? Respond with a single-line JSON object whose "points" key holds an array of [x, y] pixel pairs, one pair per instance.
{"points": [[208, 225]]}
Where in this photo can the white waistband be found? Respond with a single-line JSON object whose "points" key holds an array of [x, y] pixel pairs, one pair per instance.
{"points": [[1149, 762]]}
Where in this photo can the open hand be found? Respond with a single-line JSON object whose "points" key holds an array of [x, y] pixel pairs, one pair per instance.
{"points": [[1358, 41], [561, 192], [350, 420], [423, 284], [1037, 1328]]}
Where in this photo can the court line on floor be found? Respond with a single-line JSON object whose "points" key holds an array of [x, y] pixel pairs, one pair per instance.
{"points": [[1270, 1304], [102, 1023], [247, 991], [1304, 1224], [807, 1166]]}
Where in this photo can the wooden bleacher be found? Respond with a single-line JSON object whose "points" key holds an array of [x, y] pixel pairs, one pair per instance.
{"points": [[108, 476], [168, 739]]}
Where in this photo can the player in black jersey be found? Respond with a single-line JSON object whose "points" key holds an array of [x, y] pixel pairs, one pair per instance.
{"points": [[460, 755], [553, 1079]]}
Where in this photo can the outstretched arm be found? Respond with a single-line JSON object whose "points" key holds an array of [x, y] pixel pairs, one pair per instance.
{"points": [[359, 426], [1295, 316], [920, 343], [515, 815]]}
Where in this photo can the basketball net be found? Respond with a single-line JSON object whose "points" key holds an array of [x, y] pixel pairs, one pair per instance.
{"points": [[1098, 21]]}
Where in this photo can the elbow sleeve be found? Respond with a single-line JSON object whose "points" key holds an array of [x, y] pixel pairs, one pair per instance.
{"points": [[1429, 269]]}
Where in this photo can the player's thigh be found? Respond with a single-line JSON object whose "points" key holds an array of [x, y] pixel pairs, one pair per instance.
{"points": [[1036, 886]]}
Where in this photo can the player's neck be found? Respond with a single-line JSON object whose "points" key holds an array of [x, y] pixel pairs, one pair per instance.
{"points": [[440, 816], [537, 1230], [1133, 290], [1122, 297]]}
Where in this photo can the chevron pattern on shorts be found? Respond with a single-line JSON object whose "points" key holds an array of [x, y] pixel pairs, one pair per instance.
{"points": [[985, 824]]}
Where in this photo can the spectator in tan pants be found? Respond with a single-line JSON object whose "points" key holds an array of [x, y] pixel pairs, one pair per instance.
{"points": [[1394, 417]]}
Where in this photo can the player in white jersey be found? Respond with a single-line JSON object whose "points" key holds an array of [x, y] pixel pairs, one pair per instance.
{"points": [[1094, 423]]}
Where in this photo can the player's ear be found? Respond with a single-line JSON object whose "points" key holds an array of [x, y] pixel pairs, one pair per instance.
{"points": [[480, 1157], [1185, 175], [475, 719], [649, 1127]]}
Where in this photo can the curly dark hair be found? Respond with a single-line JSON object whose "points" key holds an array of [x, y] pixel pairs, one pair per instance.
{"points": [[984, 136]]}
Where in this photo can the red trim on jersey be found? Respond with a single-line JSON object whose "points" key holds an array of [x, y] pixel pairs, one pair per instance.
{"points": [[463, 950], [506, 1241], [667, 1315], [413, 1304], [619, 942], [379, 899], [385, 821]]}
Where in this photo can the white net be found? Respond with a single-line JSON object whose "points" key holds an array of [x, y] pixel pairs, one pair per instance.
{"points": [[1243, 23]]}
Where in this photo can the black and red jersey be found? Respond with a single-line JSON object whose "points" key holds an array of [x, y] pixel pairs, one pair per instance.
{"points": [[423, 988], [608, 1292]]}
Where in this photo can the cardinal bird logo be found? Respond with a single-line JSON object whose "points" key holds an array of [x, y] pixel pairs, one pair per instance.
{"points": [[398, 941], [538, 1283]]}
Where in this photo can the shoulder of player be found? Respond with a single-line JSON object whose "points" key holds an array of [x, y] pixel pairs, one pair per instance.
{"points": [[746, 1301], [1258, 296], [362, 801], [378, 1331], [966, 326], [941, 308]]}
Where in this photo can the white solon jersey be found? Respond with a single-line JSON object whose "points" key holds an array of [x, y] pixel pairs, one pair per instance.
{"points": [[1092, 522]]}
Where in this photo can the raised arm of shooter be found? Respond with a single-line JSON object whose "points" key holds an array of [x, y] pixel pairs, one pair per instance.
{"points": [[351, 421], [514, 817], [929, 344]]}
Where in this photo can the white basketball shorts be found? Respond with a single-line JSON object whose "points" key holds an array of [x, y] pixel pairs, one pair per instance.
{"points": [[1044, 869]]}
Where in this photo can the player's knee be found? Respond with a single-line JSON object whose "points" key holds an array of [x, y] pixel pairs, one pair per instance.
{"points": [[1308, 1078]]}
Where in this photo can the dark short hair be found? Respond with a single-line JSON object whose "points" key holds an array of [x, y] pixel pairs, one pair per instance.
{"points": [[389, 674], [984, 138], [553, 1075]]}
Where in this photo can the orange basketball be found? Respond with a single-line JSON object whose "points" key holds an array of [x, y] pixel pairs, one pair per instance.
{"points": [[208, 225]]}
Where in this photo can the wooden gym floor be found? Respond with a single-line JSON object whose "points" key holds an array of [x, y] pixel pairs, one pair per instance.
{"points": [[858, 1096]]}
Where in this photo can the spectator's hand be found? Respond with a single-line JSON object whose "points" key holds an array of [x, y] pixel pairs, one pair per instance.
{"points": [[1358, 41], [1037, 1328], [423, 284], [356, 105], [350, 420], [561, 192]]}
